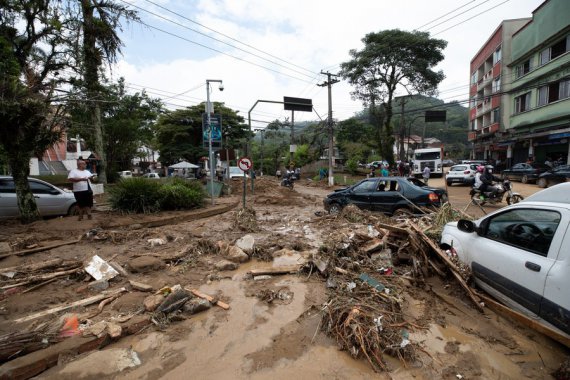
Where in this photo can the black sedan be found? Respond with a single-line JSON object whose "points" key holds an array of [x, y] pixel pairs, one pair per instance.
{"points": [[555, 176], [525, 172], [390, 195]]}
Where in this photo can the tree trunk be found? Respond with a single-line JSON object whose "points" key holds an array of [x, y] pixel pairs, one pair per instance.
{"points": [[388, 140], [92, 60], [20, 164]]}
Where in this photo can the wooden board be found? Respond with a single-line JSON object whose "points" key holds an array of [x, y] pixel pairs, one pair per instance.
{"points": [[524, 320], [38, 249], [197, 293], [57, 309], [277, 270]]}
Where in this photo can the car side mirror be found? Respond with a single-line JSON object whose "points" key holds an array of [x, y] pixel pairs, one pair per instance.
{"points": [[466, 226]]}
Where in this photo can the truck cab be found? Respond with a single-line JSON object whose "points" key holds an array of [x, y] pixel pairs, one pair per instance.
{"points": [[520, 254]]}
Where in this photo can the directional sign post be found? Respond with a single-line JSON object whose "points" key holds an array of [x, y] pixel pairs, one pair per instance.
{"points": [[245, 164]]}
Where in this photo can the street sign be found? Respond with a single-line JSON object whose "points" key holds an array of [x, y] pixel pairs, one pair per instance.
{"points": [[434, 116], [216, 125], [245, 163], [298, 104]]}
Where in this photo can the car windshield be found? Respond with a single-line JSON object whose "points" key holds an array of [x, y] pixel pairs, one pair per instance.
{"points": [[428, 156], [458, 168], [235, 170], [540, 166], [416, 182]]}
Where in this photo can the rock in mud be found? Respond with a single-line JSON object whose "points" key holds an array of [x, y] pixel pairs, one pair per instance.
{"points": [[98, 286], [223, 246], [284, 252], [236, 255], [174, 301], [152, 302], [145, 264], [140, 286], [246, 244], [226, 265], [196, 305]]}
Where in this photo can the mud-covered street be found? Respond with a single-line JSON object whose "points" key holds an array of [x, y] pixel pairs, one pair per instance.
{"points": [[277, 296]]}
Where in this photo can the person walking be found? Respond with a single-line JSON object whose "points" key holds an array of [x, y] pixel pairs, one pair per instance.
{"points": [[425, 174], [384, 172], [82, 191]]}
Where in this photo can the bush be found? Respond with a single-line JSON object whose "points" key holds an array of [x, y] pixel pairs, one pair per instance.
{"points": [[136, 195], [174, 196], [140, 195], [352, 165]]}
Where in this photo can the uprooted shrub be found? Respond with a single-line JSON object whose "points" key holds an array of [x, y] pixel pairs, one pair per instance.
{"points": [[140, 195]]}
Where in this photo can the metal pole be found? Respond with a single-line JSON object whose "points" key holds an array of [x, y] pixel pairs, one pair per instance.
{"points": [[209, 126], [261, 173]]}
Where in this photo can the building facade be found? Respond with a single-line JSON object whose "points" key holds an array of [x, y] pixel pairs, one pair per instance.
{"points": [[520, 89], [540, 94], [490, 81]]}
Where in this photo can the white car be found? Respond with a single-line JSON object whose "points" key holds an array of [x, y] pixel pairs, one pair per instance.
{"points": [[236, 172], [462, 173], [151, 176], [520, 254], [51, 200]]}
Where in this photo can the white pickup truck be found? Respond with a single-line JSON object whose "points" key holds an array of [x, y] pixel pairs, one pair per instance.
{"points": [[520, 254]]}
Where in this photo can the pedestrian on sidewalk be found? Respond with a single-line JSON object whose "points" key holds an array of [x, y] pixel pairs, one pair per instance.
{"points": [[425, 174]]}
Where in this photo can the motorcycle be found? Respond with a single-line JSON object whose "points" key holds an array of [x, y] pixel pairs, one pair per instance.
{"points": [[496, 196], [288, 181]]}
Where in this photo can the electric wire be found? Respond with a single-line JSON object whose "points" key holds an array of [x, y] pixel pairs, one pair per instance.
{"points": [[471, 18], [457, 15], [442, 16]]}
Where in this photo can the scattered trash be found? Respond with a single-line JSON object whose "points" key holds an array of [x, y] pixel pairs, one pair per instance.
{"points": [[70, 327], [262, 277], [99, 269], [351, 285], [155, 242]]}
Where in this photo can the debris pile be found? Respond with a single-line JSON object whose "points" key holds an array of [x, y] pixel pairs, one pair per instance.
{"points": [[245, 220], [368, 265]]}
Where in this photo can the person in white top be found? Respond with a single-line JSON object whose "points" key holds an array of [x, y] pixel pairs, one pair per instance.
{"points": [[82, 189]]}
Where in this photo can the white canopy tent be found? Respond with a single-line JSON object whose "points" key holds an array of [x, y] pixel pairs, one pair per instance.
{"points": [[184, 165]]}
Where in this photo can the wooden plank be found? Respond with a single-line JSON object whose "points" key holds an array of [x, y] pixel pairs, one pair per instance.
{"points": [[42, 277], [277, 270], [197, 293], [391, 228], [454, 270], [526, 321], [57, 309], [38, 249]]}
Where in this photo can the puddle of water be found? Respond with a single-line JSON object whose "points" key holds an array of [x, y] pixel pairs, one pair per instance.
{"points": [[288, 260]]}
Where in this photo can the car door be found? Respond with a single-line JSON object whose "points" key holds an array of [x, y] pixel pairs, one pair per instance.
{"points": [[8, 200], [386, 196], [516, 171], [513, 255], [48, 199], [360, 195], [559, 175]]}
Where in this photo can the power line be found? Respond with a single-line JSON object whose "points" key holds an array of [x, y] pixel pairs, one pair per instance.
{"points": [[470, 18], [457, 15], [213, 38], [229, 37], [450, 12]]}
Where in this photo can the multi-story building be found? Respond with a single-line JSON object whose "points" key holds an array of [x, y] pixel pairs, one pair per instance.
{"points": [[490, 81], [540, 91]]}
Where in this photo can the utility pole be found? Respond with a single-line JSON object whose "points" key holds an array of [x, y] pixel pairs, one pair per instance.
{"points": [[402, 130], [329, 84]]}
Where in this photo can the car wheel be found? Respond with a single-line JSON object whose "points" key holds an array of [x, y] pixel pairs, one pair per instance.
{"points": [[514, 199], [335, 208], [524, 179], [542, 183], [73, 210]]}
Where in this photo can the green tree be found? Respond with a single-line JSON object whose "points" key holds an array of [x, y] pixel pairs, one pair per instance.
{"points": [[98, 26], [392, 60], [31, 56], [127, 121], [179, 133]]}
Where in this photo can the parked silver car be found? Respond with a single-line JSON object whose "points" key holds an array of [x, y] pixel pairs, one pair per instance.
{"points": [[51, 200]]}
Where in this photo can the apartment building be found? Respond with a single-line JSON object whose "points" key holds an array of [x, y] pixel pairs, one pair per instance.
{"points": [[490, 82], [540, 93]]}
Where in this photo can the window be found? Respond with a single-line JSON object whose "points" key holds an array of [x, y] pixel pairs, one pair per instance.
{"points": [[474, 78], [522, 103], [496, 84], [496, 115], [555, 50], [528, 229], [40, 188], [388, 186], [365, 187], [7, 186], [497, 55], [522, 69], [554, 92]]}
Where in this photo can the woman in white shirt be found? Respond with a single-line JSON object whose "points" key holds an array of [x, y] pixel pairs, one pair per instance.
{"points": [[82, 189]]}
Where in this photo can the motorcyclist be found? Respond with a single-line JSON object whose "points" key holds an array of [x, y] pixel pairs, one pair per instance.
{"points": [[487, 179], [478, 182]]}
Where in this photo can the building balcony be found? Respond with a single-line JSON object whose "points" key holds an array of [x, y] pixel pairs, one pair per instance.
{"points": [[490, 129], [471, 136]]}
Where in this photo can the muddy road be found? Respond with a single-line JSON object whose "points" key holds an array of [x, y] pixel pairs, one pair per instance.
{"points": [[273, 328]]}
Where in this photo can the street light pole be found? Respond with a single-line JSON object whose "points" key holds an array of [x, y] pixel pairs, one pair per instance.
{"points": [[209, 127]]}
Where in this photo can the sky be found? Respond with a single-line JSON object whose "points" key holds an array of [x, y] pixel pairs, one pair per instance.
{"points": [[268, 49]]}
